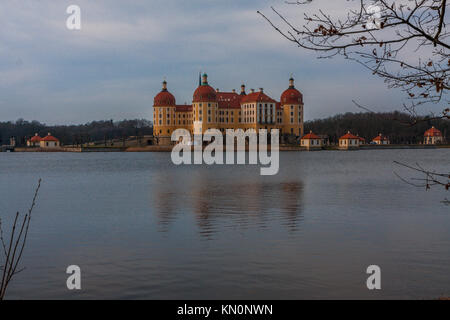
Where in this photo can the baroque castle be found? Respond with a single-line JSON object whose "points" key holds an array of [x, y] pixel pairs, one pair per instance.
{"points": [[214, 109]]}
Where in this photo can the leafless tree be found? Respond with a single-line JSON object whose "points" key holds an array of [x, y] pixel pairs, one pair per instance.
{"points": [[405, 42], [12, 250]]}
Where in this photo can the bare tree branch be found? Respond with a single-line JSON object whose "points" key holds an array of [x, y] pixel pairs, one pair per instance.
{"points": [[13, 250], [405, 42]]}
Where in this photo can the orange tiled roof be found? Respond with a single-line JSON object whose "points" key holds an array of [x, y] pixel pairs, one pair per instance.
{"points": [[380, 137], [204, 93], [348, 135], [36, 138], [49, 137], [310, 135], [257, 97], [164, 98], [229, 100], [433, 132], [291, 96]]}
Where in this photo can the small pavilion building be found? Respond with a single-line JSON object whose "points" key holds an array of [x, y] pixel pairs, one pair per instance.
{"points": [[311, 141], [35, 141], [348, 141], [381, 139], [433, 136], [49, 141]]}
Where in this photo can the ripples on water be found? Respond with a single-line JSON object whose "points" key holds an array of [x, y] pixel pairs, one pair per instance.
{"points": [[140, 227]]}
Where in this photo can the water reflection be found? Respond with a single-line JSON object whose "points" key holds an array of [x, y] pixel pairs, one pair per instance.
{"points": [[217, 202]]}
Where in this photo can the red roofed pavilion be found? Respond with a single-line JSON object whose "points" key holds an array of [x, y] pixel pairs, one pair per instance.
{"points": [[433, 136], [311, 141], [49, 141], [348, 141]]}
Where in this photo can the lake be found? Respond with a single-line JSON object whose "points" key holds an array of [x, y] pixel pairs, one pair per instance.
{"points": [[140, 227]]}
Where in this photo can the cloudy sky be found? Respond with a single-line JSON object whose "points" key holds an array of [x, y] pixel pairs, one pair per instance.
{"points": [[113, 67]]}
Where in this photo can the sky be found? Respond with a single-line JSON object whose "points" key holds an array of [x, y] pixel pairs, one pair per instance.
{"points": [[113, 67]]}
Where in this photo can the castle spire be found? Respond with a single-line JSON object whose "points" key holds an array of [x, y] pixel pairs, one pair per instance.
{"points": [[204, 79], [291, 82], [243, 90]]}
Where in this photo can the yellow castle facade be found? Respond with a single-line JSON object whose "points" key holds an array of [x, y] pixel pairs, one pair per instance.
{"points": [[214, 109]]}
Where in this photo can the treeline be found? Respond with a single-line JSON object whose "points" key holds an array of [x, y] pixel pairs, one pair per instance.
{"points": [[75, 134], [396, 125]]}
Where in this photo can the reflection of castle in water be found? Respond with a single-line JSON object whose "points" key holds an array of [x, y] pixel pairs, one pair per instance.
{"points": [[217, 204]]}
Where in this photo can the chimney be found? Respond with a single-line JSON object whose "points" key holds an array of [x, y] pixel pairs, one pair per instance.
{"points": [[261, 90], [217, 90], [234, 91]]}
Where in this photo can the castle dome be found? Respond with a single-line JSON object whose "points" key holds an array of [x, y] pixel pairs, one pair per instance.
{"points": [[164, 98], [205, 93], [291, 95]]}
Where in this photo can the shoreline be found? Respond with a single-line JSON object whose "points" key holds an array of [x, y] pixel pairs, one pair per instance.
{"points": [[169, 148]]}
